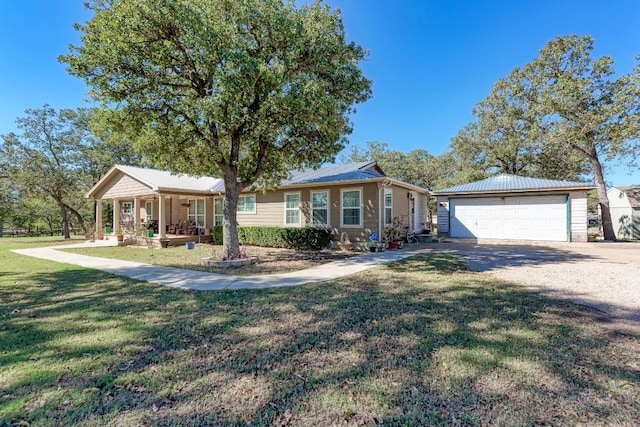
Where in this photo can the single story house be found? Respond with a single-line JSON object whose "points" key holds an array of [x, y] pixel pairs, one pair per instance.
{"points": [[355, 199], [514, 207], [624, 203]]}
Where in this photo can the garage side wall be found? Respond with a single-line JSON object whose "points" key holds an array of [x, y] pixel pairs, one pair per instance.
{"points": [[578, 220], [443, 216]]}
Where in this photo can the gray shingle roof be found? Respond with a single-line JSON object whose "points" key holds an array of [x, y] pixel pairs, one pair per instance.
{"points": [[348, 172], [506, 183], [633, 194]]}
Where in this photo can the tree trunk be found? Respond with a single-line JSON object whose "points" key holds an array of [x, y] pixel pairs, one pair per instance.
{"points": [[603, 199], [65, 221], [230, 245], [79, 217]]}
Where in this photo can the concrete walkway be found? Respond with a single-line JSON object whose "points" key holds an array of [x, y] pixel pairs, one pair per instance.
{"points": [[198, 280]]}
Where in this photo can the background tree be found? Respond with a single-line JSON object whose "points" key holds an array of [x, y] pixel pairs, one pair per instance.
{"points": [[507, 137], [416, 167], [588, 111], [7, 200], [245, 90], [44, 160], [558, 117]]}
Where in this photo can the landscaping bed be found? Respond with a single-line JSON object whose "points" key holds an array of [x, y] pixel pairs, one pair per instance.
{"points": [[271, 260]]}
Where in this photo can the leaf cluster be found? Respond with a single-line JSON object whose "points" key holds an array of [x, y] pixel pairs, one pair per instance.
{"points": [[244, 89], [553, 117]]}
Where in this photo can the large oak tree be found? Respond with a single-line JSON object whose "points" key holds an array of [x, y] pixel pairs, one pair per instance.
{"points": [[244, 89], [560, 116]]}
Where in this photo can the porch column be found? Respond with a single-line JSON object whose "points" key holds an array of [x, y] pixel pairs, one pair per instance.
{"points": [[161, 219], [98, 215], [136, 214], [116, 216]]}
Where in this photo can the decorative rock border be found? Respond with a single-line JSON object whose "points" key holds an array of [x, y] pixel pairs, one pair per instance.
{"points": [[240, 262]]}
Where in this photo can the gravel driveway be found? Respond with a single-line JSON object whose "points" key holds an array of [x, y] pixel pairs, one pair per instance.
{"points": [[602, 275]]}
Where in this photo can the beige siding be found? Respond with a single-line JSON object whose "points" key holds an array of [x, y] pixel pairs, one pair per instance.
{"points": [[578, 227], [122, 186], [421, 211], [270, 210], [400, 204]]}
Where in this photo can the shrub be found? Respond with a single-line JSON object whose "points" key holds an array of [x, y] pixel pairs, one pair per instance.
{"points": [[280, 237]]}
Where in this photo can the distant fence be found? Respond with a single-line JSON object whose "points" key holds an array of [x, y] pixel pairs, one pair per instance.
{"points": [[21, 232]]}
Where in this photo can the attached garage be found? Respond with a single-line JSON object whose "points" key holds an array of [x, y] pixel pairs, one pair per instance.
{"points": [[510, 207]]}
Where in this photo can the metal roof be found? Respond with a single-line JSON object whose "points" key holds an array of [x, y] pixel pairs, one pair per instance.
{"points": [[506, 183], [157, 179], [348, 172]]}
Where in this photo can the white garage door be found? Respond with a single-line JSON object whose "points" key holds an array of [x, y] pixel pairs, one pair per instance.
{"points": [[519, 218]]}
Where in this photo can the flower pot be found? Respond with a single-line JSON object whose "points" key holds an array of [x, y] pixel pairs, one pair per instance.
{"points": [[393, 246], [120, 237], [372, 248], [164, 243]]}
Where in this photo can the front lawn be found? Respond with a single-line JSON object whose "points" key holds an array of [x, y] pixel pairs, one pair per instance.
{"points": [[417, 342], [272, 260]]}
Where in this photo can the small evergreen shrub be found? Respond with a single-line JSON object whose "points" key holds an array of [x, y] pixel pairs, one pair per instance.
{"points": [[280, 237]]}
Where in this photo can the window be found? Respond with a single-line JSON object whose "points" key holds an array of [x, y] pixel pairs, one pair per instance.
{"points": [[291, 208], [351, 208], [247, 204], [127, 208], [320, 208], [388, 206], [196, 212], [148, 211], [217, 211]]}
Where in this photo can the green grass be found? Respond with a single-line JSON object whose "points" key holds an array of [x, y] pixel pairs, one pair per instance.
{"points": [[173, 256], [418, 342]]}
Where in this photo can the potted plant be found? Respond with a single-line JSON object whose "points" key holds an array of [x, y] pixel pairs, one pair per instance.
{"points": [[392, 233], [373, 242], [120, 235]]}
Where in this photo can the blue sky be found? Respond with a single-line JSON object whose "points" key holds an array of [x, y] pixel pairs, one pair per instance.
{"points": [[430, 61]]}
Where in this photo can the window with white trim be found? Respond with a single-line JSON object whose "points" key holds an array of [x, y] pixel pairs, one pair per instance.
{"points": [[291, 208], [148, 211], [247, 204], [217, 211], [388, 206], [351, 208], [320, 208], [127, 208], [196, 212]]}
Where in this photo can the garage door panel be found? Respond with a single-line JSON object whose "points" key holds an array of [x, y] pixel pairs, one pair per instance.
{"points": [[521, 218]]}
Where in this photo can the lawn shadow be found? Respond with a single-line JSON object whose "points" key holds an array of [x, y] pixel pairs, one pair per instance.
{"points": [[418, 342]]}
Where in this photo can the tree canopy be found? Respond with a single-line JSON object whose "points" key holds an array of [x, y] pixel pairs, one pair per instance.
{"points": [[557, 117], [245, 90], [44, 161]]}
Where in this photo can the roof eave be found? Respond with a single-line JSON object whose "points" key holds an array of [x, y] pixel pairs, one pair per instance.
{"points": [[519, 191], [100, 182]]}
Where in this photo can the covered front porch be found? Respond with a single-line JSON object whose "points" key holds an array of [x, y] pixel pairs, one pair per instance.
{"points": [[174, 217], [153, 206]]}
